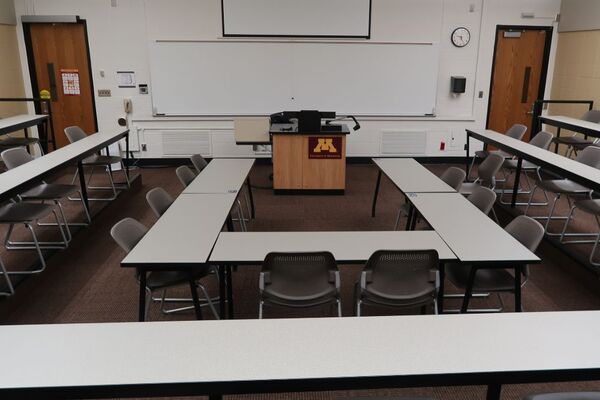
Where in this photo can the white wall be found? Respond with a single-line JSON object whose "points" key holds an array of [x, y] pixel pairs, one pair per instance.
{"points": [[7, 12], [119, 38], [579, 15]]}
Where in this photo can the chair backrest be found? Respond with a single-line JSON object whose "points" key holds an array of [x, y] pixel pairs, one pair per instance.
{"points": [[454, 177], [516, 131], [589, 156], [528, 232], [251, 129], [403, 273], [300, 275], [489, 168], [591, 116], [159, 200], [185, 175], [542, 140], [74, 133], [16, 156], [127, 233], [483, 198], [199, 162]]}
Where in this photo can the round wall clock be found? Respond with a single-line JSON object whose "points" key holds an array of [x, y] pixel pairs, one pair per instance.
{"points": [[460, 37]]}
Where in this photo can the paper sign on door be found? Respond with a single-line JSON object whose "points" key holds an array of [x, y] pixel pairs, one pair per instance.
{"points": [[70, 81]]}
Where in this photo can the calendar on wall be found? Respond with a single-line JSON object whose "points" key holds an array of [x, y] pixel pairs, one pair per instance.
{"points": [[70, 82]]}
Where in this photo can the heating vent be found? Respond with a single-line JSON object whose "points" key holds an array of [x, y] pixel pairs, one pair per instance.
{"points": [[186, 142], [403, 142]]}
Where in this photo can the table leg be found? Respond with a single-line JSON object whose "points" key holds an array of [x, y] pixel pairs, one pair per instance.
{"points": [[222, 292], [556, 143], [84, 195], [415, 216], [26, 135], [467, 164], [469, 290], [142, 298], [195, 299], [376, 194], [516, 184], [127, 155], [493, 391], [229, 293], [229, 223], [409, 217], [518, 305], [440, 295], [250, 196]]}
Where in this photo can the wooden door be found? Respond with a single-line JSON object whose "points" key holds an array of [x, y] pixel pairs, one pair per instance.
{"points": [[518, 77], [59, 57]]}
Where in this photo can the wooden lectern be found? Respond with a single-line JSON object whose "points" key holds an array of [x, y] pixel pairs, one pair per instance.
{"points": [[309, 162]]}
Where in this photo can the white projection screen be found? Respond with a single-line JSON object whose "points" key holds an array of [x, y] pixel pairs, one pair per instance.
{"points": [[297, 18]]}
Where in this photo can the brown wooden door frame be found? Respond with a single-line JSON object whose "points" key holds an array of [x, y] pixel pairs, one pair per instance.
{"points": [[32, 69], [545, 61]]}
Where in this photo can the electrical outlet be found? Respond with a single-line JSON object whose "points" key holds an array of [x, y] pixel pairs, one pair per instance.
{"points": [[481, 94], [104, 93], [144, 148]]}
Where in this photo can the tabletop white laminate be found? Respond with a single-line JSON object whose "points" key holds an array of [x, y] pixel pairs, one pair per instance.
{"points": [[574, 122], [567, 167], [270, 350], [8, 123], [411, 177], [252, 247], [32, 170], [470, 234], [185, 233], [221, 175]]}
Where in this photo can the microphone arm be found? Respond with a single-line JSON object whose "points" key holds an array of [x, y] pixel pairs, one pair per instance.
{"points": [[346, 117]]}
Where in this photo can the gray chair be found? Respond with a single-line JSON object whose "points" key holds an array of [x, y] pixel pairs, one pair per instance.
{"points": [[399, 279], [8, 142], [576, 142], [517, 131], [185, 175], [127, 233], [452, 176], [529, 233], [591, 207], [589, 156], [486, 174], [199, 162], [542, 140], [28, 214], [74, 134], [564, 396], [159, 200], [483, 198], [299, 280], [54, 192]]}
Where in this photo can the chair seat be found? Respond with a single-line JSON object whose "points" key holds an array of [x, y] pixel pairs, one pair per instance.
{"points": [[102, 160], [570, 140], [562, 186], [486, 280], [591, 206], [485, 153], [163, 279], [50, 191], [525, 165], [564, 396], [24, 212], [581, 146], [467, 187], [387, 297], [18, 141]]}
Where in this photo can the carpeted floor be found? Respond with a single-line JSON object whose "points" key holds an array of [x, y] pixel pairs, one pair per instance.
{"points": [[85, 283]]}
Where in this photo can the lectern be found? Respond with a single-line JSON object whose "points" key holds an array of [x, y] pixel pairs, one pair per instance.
{"points": [[309, 162]]}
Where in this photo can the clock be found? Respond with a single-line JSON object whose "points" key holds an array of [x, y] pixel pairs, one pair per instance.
{"points": [[460, 37]]}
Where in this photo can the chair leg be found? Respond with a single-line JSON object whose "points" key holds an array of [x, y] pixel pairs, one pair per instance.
{"points": [[9, 285], [398, 219], [261, 305], [339, 307]]}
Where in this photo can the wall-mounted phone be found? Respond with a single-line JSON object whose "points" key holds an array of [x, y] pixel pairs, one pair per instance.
{"points": [[127, 106]]}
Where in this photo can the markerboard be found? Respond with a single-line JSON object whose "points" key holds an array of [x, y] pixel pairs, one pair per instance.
{"points": [[259, 78]]}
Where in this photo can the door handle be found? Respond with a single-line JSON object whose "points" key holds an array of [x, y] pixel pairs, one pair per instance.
{"points": [[52, 80]]}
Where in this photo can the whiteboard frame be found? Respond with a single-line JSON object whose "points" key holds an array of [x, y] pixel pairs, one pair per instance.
{"points": [[289, 40], [235, 35]]}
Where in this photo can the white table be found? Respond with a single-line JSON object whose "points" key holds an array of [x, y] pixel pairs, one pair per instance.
{"points": [[563, 166], [224, 175], [409, 177], [218, 358], [347, 247], [475, 238], [183, 237], [21, 178], [573, 124], [24, 121]]}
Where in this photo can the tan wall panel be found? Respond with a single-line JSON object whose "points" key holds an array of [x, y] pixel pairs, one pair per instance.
{"points": [[11, 78]]}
